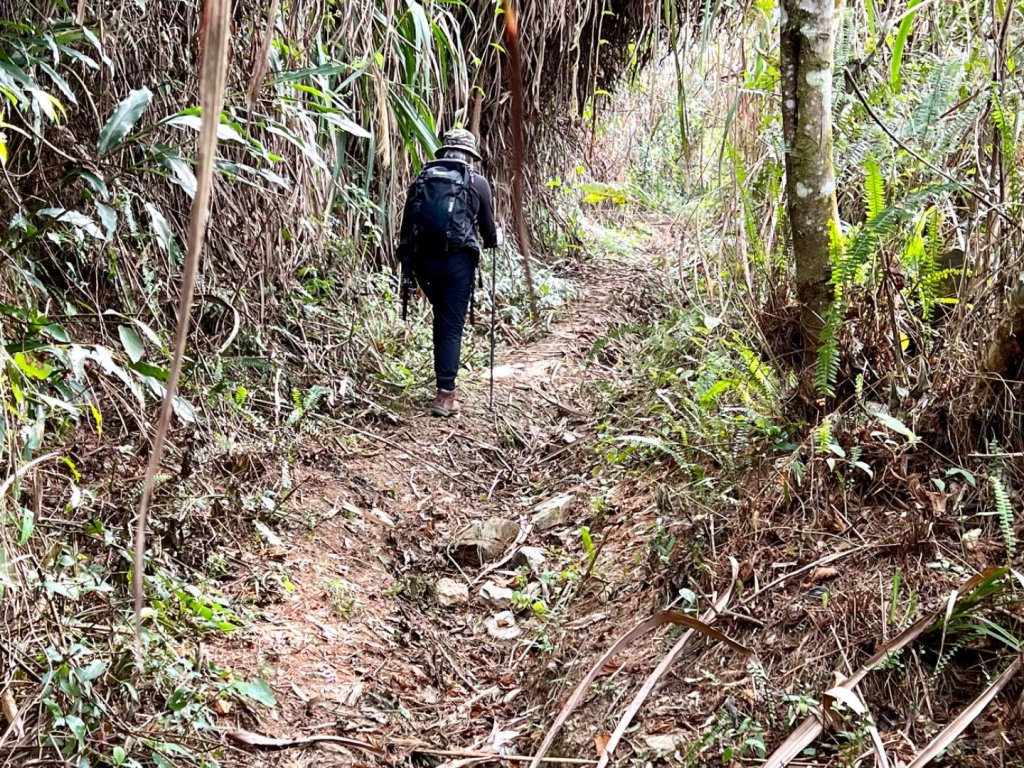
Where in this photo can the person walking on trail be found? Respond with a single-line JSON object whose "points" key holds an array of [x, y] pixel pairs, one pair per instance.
{"points": [[438, 249]]}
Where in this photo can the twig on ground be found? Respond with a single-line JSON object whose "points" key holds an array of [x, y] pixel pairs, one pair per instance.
{"points": [[810, 566]]}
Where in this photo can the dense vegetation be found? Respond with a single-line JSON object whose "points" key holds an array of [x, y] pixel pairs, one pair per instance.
{"points": [[804, 358]]}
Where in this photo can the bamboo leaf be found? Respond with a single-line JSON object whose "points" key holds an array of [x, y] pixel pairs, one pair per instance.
{"points": [[132, 342], [125, 115], [895, 78]]}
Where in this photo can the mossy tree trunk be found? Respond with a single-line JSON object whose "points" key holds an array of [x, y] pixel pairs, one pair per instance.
{"points": [[807, 43]]}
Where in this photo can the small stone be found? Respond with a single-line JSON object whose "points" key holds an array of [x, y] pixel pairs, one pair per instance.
{"points": [[481, 543], [450, 593], [502, 626], [504, 532], [551, 513], [664, 744], [499, 597], [531, 557]]}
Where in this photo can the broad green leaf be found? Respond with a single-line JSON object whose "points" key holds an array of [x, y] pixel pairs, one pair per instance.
{"points": [[897, 426], [76, 725], [55, 332], [78, 220], [97, 419], [224, 132], [28, 524], [119, 755], [181, 172], [62, 405], [146, 369], [124, 118], [48, 105], [163, 233], [347, 125], [59, 81], [108, 218], [96, 184], [89, 673], [40, 371], [257, 690], [132, 342]]}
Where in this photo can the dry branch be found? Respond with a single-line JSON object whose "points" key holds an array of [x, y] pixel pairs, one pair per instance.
{"points": [[252, 740]]}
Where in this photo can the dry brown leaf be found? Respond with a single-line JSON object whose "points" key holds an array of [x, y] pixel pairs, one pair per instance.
{"points": [[820, 574], [601, 742], [11, 713], [221, 706]]}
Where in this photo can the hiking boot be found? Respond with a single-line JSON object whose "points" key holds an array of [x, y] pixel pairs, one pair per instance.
{"points": [[445, 403]]}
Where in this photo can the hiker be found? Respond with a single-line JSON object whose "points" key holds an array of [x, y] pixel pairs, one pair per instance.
{"points": [[438, 249]]}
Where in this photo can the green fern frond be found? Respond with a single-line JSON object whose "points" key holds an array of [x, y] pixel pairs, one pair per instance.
{"points": [[823, 436], [1004, 122], [1004, 511], [828, 353], [760, 372], [874, 189], [930, 277], [940, 94], [955, 130], [952, 650], [314, 396]]}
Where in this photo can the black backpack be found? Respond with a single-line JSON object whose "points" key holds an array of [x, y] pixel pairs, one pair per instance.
{"points": [[442, 219]]}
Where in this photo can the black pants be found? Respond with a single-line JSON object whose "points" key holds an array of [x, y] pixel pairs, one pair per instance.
{"points": [[447, 281]]}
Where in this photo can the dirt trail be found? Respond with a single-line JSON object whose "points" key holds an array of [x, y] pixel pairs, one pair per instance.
{"points": [[358, 643]]}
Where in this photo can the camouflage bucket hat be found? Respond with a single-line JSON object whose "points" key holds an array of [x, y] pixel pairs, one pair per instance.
{"points": [[460, 138]]}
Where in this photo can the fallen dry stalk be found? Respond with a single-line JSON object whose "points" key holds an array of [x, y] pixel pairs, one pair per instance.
{"points": [[251, 740], [214, 63], [472, 754], [258, 741], [812, 726], [641, 629], [652, 680], [951, 732], [810, 566]]}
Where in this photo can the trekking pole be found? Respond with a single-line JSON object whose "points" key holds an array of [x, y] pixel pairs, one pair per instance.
{"points": [[494, 282]]}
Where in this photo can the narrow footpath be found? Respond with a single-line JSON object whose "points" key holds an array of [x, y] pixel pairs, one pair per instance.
{"points": [[447, 595]]}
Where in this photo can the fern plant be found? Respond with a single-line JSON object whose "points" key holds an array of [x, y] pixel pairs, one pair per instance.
{"points": [[852, 254], [1004, 511]]}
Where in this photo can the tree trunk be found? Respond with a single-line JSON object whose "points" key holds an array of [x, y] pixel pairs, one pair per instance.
{"points": [[806, 46], [1004, 358]]}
